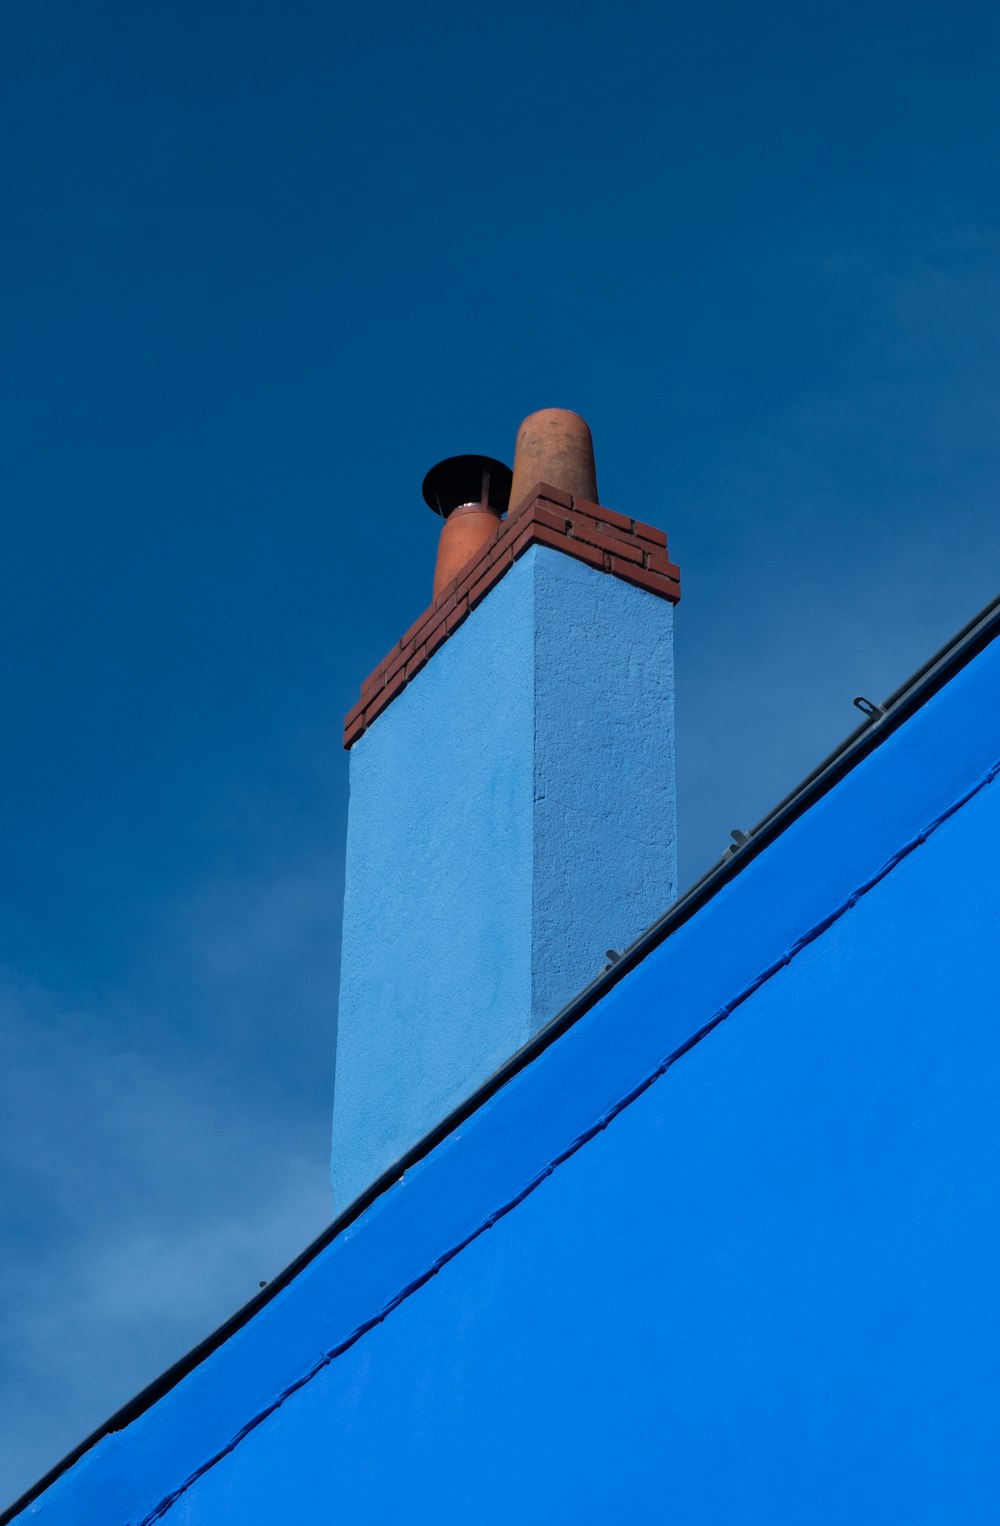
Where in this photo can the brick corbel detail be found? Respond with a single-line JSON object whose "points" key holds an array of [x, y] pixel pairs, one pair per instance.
{"points": [[625, 548]]}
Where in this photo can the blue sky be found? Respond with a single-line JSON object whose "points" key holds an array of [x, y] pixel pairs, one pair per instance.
{"points": [[264, 265]]}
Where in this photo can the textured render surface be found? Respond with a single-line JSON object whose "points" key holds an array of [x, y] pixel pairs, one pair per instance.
{"points": [[512, 816], [435, 987], [605, 830], [750, 1280]]}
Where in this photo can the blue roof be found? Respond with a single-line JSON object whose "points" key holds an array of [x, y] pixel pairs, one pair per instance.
{"points": [[894, 791]]}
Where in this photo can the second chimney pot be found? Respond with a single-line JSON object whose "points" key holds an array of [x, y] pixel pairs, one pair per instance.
{"points": [[471, 494]]}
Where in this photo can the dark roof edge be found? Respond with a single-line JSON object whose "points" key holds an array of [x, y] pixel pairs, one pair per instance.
{"points": [[899, 706]]}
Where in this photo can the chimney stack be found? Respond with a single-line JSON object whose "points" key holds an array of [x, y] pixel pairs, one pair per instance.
{"points": [[512, 808]]}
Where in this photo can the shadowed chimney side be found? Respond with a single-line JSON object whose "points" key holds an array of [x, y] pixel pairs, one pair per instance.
{"points": [[512, 806]]}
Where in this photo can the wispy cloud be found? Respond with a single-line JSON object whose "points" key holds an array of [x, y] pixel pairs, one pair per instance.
{"points": [[145, 1199]]}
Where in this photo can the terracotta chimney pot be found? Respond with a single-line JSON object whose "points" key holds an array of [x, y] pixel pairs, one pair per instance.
{"points": [[554, 446], [471, 493]]}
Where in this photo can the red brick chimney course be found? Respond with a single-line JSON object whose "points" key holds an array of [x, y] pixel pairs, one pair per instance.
{"points": [[626, 548]]}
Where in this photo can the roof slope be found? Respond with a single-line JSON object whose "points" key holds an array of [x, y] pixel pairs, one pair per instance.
{"points": [[901, 788]]}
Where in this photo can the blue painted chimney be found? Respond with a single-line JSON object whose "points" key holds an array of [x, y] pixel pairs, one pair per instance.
{"points": [[512, 799]]}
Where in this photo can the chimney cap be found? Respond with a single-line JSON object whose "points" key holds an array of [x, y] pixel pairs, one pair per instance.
{"points": [[467, 479]]}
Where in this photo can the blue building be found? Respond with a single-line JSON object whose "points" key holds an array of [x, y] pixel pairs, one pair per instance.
{"points": [[648, 1208]]}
